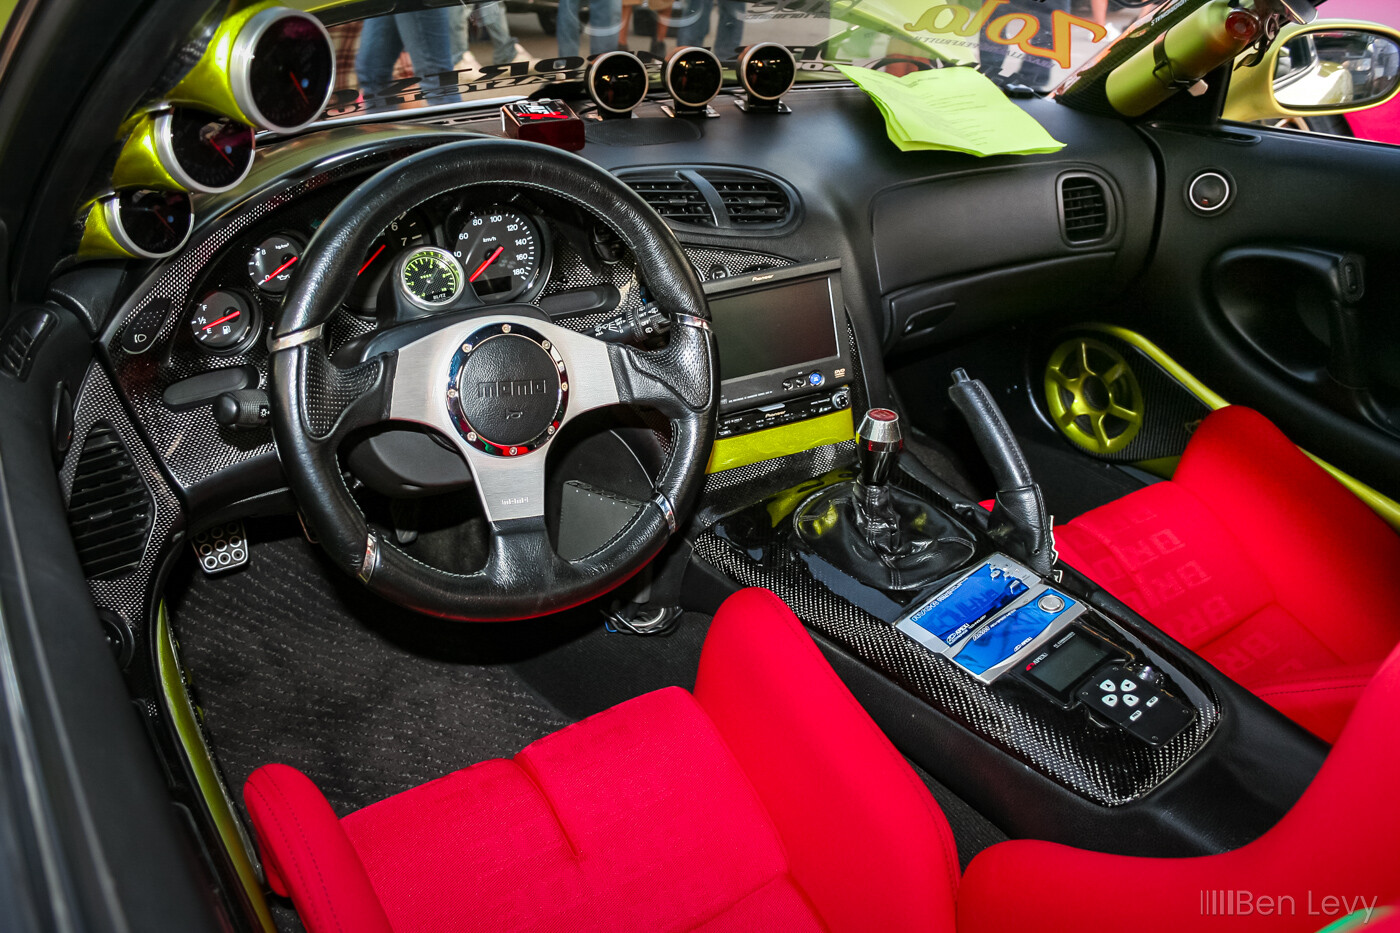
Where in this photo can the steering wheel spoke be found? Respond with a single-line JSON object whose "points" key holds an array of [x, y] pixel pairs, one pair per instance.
{"points": [[676, 380], [341, 400]]}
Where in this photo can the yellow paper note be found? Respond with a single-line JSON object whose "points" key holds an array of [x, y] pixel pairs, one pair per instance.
{"points": [[952, 108]]}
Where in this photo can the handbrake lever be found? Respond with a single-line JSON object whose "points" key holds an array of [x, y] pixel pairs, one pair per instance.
{"points": [[1020, 524]]}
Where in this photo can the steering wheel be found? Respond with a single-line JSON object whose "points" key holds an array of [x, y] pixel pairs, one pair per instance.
{"points": [[499, 385]]}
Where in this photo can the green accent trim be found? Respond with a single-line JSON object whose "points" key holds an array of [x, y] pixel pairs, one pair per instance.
{"points": [[1357, 920], [139, 164], [211, 785], [1160, 466], [1384, 506], [729, 452], [1122, 395], [206, 85], [98, 242]]}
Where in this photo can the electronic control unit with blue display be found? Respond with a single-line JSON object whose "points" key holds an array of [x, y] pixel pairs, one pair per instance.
{"points": [[993, 616]]}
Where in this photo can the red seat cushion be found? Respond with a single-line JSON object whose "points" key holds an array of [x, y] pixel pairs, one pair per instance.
{"points": [[1338, 842], [1254, 557], [769, 800]]}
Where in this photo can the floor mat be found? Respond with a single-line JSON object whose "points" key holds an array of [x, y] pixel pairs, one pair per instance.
{"points": [[292, 662]]}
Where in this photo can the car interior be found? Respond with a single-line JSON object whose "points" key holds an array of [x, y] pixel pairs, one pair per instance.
{"points": [[632, 493]]}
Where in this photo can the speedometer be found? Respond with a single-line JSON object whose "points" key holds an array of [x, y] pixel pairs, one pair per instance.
{"points": [[500, 249]]}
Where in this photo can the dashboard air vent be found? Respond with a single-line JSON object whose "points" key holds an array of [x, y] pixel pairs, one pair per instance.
{"points": [[110, 509], [674, 197], [751, 200], [1083, 209]]}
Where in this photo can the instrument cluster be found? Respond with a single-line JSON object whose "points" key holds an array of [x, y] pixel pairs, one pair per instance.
{"points": [[480, 246]]}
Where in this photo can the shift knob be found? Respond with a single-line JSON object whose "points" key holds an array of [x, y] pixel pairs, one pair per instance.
{"points": [[878, 443]]}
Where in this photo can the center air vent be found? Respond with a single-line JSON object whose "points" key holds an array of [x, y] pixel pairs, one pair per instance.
{"points": [[1085, 214], [751, 199], [110, 509], [673, 196]]}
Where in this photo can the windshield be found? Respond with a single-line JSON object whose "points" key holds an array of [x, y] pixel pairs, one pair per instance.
{"points": [[431, 55]]}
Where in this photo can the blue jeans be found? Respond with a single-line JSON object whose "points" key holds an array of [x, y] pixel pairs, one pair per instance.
{"points": [[427, 35], [695, 23], [492, 14], [604, 23]]}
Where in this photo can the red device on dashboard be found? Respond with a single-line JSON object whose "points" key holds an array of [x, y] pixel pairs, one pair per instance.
{"points": [[551, 122]]}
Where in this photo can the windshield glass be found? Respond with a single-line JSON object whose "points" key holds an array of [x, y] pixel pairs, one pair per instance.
{"points": [[435, 54]]}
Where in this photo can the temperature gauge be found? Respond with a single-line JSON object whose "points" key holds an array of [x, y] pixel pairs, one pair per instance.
{"points": [[223, 322], [273, 262]]}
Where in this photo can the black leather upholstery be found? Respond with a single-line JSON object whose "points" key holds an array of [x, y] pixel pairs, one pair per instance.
{"points": [[523, 577]]}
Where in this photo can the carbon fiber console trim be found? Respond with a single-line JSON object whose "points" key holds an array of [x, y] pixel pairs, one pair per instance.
{"points": [[1105, 766]]}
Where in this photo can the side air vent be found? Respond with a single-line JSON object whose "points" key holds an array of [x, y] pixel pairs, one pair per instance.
{"points": [[1085, 215], [674, 197], [110, 510], [750, 199], [21, 340]]}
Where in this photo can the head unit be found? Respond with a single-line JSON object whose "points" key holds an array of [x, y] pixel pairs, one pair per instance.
{"points": [[783, 353]]}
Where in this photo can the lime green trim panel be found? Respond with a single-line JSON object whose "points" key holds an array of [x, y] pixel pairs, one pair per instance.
{"points": [[139, 164], [98, 242], [1159, 466], [1384, 506], [207, 83], [729, 452], [211, 785]]}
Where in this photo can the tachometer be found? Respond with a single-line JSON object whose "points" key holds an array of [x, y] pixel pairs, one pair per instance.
{"points": [[408, 230], [500, 248]]}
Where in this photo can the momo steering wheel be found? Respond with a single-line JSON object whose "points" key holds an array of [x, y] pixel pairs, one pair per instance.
{"points": [[498, 384]]}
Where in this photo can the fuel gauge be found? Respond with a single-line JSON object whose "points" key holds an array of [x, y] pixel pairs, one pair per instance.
{"points": [[223, 321]]}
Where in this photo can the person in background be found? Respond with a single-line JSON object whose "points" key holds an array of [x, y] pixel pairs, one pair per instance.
{"points": [[492, 15], [427, 37], [1034, 71], [695, 24], [604, 21]]}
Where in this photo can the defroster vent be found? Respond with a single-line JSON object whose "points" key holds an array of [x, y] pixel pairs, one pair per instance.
{"points": [[110, 509], [1084, 209]]}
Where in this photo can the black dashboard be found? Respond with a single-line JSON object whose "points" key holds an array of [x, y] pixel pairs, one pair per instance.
{"points": [[933, 246]]}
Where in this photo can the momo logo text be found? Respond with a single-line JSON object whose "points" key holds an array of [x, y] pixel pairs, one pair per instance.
{"points": [[512, 388]]}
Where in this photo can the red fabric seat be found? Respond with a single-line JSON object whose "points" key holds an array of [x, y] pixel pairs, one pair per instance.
{"points": [[1252, 556], [768, 800], [1338, 842]]}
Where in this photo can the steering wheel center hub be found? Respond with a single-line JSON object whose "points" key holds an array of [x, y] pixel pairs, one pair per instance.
{"points": [[507, 390]]}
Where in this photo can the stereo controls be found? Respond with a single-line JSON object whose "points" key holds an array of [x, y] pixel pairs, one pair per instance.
{"points": [[841, 399]]}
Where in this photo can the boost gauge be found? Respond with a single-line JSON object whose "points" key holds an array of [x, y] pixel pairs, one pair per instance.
{"points": [[430, 278], [501, 249]]}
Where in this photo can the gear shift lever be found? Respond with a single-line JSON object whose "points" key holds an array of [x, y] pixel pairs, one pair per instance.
{"points": [[878, 443], [880, 534]]}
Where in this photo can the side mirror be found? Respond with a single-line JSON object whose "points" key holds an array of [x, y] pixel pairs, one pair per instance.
{"points": [[1326, 67]]}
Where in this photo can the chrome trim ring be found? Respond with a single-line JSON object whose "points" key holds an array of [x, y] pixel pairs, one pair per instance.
{"points": [[165, 151], [592, 73], [743, 65], [241, 61], [111, 209], [671, 63], [453, 390], [276, 344], [417, 300]]}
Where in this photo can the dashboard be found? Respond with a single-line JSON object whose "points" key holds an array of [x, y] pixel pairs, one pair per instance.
{"points": [[913, 233]]}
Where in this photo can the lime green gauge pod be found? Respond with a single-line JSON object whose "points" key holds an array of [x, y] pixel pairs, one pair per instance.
{"points": [[1093, 396]]}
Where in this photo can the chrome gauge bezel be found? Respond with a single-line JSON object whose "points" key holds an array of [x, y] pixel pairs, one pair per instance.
{"points": [[684, 52], [747, 57], [418, 301], [590, 76], [110, 205], [164, 133], [241, 61]]}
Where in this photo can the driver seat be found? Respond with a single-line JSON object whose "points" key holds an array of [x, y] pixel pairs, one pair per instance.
{"points": [[766, 800]]}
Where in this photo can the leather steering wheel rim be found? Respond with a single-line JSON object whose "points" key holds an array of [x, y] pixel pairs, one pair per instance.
{"points": [[316, 403]]}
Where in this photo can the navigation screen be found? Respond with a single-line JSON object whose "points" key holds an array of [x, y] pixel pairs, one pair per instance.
{"points": [[774, 328]]}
